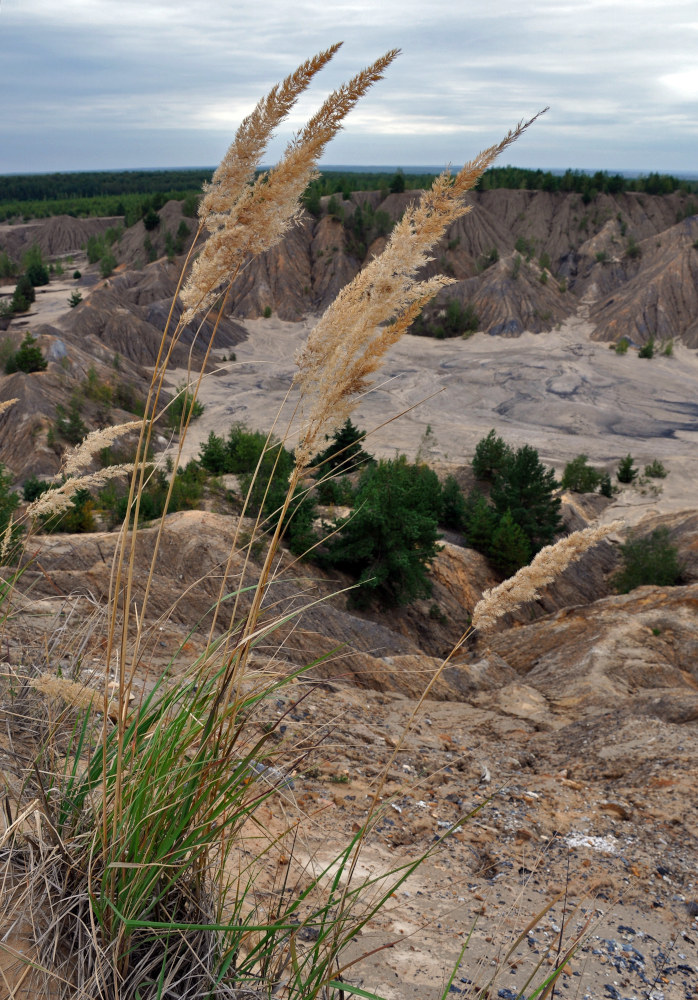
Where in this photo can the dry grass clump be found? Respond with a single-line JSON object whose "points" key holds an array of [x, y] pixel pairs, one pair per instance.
{"points": [[126, 885]]}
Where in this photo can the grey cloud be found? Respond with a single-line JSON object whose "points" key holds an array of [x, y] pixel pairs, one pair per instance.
{"points": [[142, 84]]}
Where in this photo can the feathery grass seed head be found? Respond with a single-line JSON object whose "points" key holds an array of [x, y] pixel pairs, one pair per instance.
{"points": [[81, 456], [8, 403], [55, 501], [257, 217], [525, 585], [373, 311], [62, 689]]}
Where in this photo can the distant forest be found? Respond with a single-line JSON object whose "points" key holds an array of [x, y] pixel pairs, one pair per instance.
{"points": [[132, 193]]}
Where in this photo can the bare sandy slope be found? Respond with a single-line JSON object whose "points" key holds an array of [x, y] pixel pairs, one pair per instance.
{"points": [[560, 392]]}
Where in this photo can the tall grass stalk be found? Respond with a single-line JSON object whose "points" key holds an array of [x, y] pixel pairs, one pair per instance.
{"points": [[147, 797]]}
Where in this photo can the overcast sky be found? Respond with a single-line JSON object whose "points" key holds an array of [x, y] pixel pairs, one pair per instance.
{"points": [[99, 84]]}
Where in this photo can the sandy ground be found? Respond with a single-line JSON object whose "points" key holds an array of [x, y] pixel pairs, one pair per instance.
{"points": [[52, 299], [564, 394], [560, 392]]}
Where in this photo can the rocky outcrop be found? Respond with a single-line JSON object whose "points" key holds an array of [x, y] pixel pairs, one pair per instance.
{"points": [[639, 648]]}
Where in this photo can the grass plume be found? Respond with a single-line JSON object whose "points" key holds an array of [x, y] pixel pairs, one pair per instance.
{"points": [[251, 218], [59, 499], [7, 404], [80, 457], [526, 583], [373, 311]]}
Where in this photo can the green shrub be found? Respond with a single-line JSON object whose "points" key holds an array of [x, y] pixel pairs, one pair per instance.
{"points": [[655, 470], [265, 487], [32, 488], [621, 347], [525, 247], [70, 425], [95, 248], [77, 275], [299, 530], [626, 470], [75, 299], [456, 320], [187, 490], [245, 448], [214, 455], [107, 264], [580, 477], [266, 312], [648, 561], [190, 206], [343, 453], [491, 453], [23, 295], [605, 485], [647, 350], [633, 249], [601, 257], [525, 488], [668, 349], [480, 522], [35, 267], [27, 358], [397, 184], [335, 492], [516, 267], [453, 506], [390, 539], [335, 209], [182, 408], [509, 548], [8, 267], [151, 220]]}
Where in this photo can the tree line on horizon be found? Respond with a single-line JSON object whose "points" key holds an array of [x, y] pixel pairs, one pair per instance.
{"points": [[124, 192]]}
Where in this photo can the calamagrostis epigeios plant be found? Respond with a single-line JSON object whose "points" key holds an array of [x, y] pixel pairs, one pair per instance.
{"points": [[368, 316], [150, 822]]}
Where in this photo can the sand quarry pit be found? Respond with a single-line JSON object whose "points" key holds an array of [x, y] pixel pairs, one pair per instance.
{"points": [[560, 392]]}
